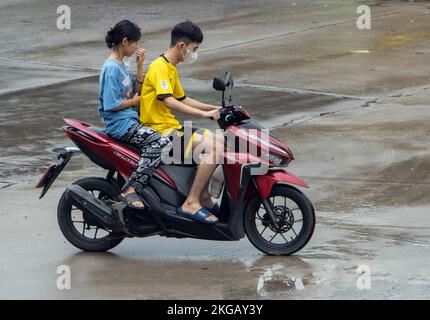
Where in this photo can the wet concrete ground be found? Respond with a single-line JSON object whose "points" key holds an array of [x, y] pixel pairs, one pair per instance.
{"points": [[356, 122]]}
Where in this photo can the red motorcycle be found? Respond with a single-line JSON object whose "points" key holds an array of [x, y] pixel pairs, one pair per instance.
{"points": [[274, 214]]}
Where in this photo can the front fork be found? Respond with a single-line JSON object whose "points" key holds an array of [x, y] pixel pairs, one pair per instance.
{"points": [[268, 206], [264, 184]]}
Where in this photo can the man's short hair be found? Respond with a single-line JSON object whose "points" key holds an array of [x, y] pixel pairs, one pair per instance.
{"points": [[187, 32]]}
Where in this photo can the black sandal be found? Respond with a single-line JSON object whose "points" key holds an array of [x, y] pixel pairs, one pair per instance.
{"points": [[132, 197]]}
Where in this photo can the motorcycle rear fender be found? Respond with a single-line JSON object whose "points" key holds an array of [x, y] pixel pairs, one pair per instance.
{"points": [[53, 171]]}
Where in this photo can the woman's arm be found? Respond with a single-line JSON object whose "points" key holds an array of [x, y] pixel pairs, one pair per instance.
{"points": [[140, 53], [135, 101], [139, 79]]}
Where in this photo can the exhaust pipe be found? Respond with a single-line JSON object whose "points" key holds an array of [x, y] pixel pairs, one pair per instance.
{"points": [[101, 212]]}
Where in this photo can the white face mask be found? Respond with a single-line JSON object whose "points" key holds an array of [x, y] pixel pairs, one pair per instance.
{"points": [[189, 57]]}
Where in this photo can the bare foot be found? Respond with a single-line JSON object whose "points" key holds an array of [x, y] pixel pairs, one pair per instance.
{"points": [[206, 201], [136, 204]]}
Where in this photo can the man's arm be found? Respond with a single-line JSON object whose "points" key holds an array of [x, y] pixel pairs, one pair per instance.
{"points": [[199, 105], [180, 106]]}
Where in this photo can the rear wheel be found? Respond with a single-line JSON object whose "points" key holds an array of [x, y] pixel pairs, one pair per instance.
{"points": [[295, 217], [79, 228]]}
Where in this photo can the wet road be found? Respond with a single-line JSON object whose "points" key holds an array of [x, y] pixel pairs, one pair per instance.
{"points": [[352, 105]]}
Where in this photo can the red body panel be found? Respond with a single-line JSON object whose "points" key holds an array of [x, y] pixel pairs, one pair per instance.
{"points": [[239, 132], [266, 182], [123, 159], [233, 163]]}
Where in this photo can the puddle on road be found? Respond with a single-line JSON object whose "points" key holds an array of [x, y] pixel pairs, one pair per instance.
{"points": [[266, 277], [6, 184]]}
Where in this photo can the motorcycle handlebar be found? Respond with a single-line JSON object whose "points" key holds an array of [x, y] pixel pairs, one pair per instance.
{"points": [[222, 112]]}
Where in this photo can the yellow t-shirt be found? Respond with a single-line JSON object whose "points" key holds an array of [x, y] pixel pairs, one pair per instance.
{"points": [[161, 81]]}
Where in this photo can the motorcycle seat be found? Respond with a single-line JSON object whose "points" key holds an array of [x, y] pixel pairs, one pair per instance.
{"points": [[102, 131]]}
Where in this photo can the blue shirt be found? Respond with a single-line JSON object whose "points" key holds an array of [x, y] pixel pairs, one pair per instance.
{"points": [[116, 85]]}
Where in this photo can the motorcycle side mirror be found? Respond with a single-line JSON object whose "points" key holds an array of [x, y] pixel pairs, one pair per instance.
{"points": [[228, 79], [219, 84]]}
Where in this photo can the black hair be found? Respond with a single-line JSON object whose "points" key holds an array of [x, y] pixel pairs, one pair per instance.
{"points": [[187, 32], [123, 29]]}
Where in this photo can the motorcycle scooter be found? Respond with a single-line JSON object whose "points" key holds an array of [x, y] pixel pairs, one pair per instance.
{"points": [[268, 208]]}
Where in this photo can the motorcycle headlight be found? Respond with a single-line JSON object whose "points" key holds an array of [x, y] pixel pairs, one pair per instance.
{"points": [[278, 161]]}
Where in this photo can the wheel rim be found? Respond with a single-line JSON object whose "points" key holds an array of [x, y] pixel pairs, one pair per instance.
{"points": [[84, 226], [289, 217]]}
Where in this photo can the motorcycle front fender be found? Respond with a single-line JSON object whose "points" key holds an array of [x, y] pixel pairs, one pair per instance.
{"points": [[265, 182]]}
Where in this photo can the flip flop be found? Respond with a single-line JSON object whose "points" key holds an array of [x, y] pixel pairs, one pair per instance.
{"points": [[215, 209], [200, 215], [130, 198]]}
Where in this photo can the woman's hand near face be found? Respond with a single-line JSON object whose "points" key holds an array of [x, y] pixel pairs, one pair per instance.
{"points": [[140, 56]]}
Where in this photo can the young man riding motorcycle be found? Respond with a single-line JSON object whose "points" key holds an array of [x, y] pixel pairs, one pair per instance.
{"points": [[161, 93]]}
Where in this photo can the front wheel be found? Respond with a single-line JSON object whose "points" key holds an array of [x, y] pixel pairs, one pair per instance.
{"points": [[295, 217]]}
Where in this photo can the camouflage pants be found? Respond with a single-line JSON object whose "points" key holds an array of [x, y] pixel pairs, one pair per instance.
{"points": [[151, 143]]}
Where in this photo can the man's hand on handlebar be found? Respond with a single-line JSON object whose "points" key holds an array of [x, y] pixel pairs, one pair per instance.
{"points": [[213, 115]]}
